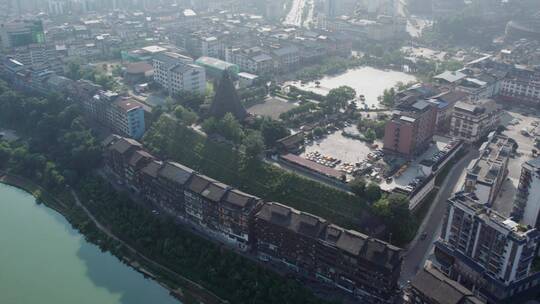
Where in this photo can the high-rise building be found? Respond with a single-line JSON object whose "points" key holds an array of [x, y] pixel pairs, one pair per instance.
{"points": [[486, 251], [21, 33], [411, 129], [486, 174], [527, 201]]}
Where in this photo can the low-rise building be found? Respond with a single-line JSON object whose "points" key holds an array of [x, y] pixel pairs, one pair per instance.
{"points": [[472, 120], [523, 85]]}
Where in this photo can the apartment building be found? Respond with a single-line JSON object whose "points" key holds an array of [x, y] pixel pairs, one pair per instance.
{"points": [[522, 84], [252, 60], [486, 174], [310, 245], [411, 128], [21, 33], [486, 251], [527, 201], [123, 115], [471, 120], [212, 207], [177, 73]]}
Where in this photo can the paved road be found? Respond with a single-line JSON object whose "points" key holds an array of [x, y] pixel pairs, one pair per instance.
{"points": [[418, 250], [294, 17]]}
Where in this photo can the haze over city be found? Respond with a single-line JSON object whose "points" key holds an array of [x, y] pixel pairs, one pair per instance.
{"points": [[270, 151]]}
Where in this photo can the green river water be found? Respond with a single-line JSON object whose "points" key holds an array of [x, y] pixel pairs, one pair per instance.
{"points": [[44, 261]]}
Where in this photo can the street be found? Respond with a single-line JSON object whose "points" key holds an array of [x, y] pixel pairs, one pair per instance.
{"points": [[419, 250]]}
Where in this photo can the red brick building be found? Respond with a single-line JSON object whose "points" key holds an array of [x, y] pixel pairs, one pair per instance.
{"points": [[411, 128]]}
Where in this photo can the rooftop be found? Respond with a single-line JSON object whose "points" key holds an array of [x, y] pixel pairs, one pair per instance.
{"points": [[433, 284]]}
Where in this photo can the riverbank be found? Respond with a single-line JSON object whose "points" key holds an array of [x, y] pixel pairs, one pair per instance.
{"points": [[79, 217]]}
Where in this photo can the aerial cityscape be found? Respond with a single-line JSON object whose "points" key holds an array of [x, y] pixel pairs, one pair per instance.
{"points": [[269, 151]]}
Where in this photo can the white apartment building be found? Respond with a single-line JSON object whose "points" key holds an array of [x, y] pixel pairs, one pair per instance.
{"points": [[177, 73], [527, 201], [472, 120]]}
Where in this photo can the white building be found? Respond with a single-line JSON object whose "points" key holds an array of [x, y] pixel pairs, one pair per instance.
{"points": [[177, 73], [527, 201], [472, 120]]}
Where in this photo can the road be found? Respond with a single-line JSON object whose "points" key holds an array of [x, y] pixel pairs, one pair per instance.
{"points": [[294, 17], [419, 250]]}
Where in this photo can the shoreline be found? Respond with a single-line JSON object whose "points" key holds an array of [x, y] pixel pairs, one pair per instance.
{"points": [[134, 261]]}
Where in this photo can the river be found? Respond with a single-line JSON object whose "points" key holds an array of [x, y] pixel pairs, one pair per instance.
{"points": [[44, 260], [367, 81]]}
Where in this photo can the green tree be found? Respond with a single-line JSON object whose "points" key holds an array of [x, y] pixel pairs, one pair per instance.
{"points": [[253, 143], [339, 97], [370, 135], [388, 97], [272, 131], [358, 186], [373, 192], [185, 116]]}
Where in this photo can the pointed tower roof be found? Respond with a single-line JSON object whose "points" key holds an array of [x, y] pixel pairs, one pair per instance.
{"points": [[226, 100]]}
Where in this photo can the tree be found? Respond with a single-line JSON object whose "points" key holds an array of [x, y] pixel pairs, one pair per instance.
{"points": [[370, 135], [272, 131], [318, 131], [394, 209], [226, 100], [339, 97], [388, 97], [253, 143], [373, 192], [185, 116], [227, 127], [358, 186]]}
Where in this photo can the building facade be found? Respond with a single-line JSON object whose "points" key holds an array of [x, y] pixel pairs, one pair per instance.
{"points": [[472, 120], [485, 251], [411, 129], [486, 174], [177, 73], [527, 200], [309, 245]]}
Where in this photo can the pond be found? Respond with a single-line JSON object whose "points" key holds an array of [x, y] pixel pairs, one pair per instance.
{"points": [[44, 260]]}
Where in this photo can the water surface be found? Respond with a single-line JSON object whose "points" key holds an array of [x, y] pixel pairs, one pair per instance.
{"points": [[43, 260]]}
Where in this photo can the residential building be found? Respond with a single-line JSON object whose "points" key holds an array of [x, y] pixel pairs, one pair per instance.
{"points": [[486, 174], [310, 245], [445, 103], [522, 84], [21, 33], [356, 263], [123, 115], [431, 286], [252, 60], [215, 67], [411, 128], [286, 58], [472, 120], [177, 73], [527, 200], [486, 251]]}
